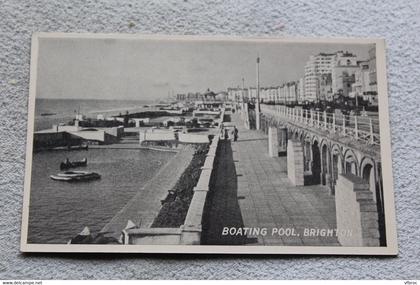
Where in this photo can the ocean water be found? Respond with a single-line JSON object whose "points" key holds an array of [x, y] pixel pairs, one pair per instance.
{"points": [[59, 210], [65, 109]]}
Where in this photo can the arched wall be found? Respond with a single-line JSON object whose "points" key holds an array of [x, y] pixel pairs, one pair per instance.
{"points": [[350, 162]]}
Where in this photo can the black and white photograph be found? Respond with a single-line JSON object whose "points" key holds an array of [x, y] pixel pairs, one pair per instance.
{"points": [[191, 144]]}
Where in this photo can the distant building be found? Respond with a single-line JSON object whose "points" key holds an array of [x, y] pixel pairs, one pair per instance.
{"points": [[325, 87], [268, 94], [292, 92], [372, 70], [362, 87], [282, 94], [301, 91], [343, 73], [252, 93], [235, 94], [222, 96], [317, 65], [181, 97]]}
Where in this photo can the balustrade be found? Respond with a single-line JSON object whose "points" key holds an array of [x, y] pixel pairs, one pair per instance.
{"points": [[361, 128]]}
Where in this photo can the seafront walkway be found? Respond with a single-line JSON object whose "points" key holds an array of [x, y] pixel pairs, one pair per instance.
{"points": [[252, 190]]}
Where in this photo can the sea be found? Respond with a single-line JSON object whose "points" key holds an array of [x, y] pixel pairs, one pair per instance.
{"points": [[55, 111], [58, 210]]}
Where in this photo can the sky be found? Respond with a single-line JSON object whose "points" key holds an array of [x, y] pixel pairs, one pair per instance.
{"points": [[140, 69]]}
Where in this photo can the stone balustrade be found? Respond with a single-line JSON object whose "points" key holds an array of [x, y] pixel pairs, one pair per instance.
{"points": [[361, 128]]}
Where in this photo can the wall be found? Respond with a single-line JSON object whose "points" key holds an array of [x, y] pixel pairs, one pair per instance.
{"points": [[190, 138], [168, 135], [356, 211], [396, 21], [150, 135], [295, 171], [98, 135], [190, 232]]}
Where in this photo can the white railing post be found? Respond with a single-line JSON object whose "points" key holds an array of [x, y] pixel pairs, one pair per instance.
{"points": [[344, 124], [333, 122], [312, 118], [325, 120], [307, 117], [356, 132], [372, 140], [317, 118]]}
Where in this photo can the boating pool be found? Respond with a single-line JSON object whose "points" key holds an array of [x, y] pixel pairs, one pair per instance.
{"points": [[59, 210]]}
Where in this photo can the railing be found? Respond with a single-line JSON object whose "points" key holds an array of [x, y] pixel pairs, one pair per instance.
{"points": [[361, 128]]}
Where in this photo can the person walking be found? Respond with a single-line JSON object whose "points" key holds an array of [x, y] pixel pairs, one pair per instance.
{"points": [[235, 134], [226, 134]]}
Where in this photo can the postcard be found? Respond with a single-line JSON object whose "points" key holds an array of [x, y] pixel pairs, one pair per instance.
{"points": [[192, 144]]}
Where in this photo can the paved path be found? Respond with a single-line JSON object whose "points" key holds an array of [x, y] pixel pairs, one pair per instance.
{"points": [[252, 190]]}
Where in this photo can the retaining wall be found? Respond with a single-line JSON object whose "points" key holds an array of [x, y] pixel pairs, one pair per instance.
{"points": [[190, 232], [356, 212]]}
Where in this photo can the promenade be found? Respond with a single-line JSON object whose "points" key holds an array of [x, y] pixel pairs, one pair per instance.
{"points": [[252, 190]]}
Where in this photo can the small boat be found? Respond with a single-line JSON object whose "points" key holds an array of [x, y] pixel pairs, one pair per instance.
{"points": [[48, 114], [86, 237], [71, 164], [75, 176]]}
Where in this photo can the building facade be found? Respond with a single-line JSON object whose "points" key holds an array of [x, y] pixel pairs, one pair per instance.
{"points": [[317, 65], [343, 73]]}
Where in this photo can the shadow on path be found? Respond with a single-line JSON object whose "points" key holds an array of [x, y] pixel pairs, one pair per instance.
{"points": [[222, 207]]}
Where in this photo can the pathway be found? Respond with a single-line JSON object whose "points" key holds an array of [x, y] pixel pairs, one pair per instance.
{"points": [[252, 190]]}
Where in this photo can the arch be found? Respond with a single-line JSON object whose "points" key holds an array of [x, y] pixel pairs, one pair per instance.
{"points": [[366, 160], [296, 135], [315, 138], [351, 164], [335, 148], [367, 170], [326, 143], [301, 137], [300, 132]]}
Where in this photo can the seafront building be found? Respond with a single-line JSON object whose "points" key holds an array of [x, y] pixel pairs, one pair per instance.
{"points": [[316, 66], [325, 87], [326, 77], [343, 73]]}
